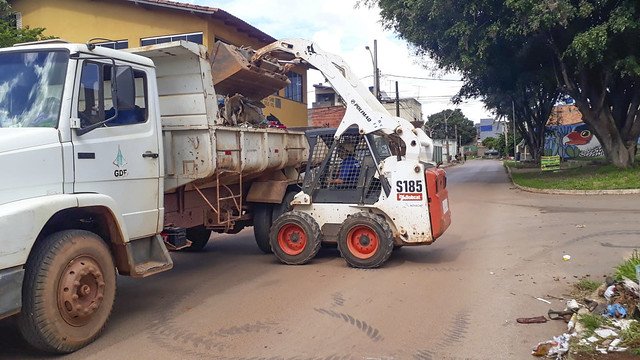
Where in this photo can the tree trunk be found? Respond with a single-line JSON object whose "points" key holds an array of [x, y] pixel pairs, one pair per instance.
{"points": [[616, 151]]}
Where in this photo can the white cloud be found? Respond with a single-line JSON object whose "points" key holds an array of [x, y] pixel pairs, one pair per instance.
{"points": [[337, 27]]}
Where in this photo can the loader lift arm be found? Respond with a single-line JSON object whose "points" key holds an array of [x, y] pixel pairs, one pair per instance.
{"points": [[362, 108]]}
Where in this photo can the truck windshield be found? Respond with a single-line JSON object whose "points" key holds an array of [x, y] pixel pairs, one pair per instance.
{"points": [[31, 86]]}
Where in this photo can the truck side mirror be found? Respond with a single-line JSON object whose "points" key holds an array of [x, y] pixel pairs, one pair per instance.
{"points": [[124, 89]]}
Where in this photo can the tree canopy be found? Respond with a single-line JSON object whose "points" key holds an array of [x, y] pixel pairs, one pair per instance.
{"points": [[528, 52], [455, 119], [9, 34]]}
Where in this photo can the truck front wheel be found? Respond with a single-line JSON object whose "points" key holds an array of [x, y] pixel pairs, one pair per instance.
{"points": [[68, 291], [365, 240]]}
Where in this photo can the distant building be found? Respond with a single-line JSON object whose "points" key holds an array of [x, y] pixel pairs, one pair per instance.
{"points": [[328, 111], [489, 128], [410, 110]]}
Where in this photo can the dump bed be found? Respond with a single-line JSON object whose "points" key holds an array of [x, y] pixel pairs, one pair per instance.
{"points": [[197, 146]]}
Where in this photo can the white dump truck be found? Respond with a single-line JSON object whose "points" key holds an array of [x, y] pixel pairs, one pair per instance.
{"points": [[113, 157]]}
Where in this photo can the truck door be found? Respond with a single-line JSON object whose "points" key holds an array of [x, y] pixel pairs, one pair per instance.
{"points": [[120, 158]]}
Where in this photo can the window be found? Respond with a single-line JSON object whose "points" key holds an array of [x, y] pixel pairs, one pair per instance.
{"points": [[95, 102], [193, 37], [119, 44], [31, 84], [294, 90]]}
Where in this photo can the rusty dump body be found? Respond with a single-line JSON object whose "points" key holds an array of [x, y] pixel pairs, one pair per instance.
{"points": [[234, 71], [212, 170]]}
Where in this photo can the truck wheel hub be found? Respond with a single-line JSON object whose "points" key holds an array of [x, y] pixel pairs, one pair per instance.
{"points": [[81, 290]]}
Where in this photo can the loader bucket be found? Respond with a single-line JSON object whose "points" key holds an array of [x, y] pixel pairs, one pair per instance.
{"points": [[234, 72]]}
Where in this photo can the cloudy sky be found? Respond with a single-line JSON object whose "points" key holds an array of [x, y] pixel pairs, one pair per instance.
{"points": [[339, 27]]}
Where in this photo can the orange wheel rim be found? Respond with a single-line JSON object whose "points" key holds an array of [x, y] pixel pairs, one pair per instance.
{"points": [[292, 239], [362, 242]]}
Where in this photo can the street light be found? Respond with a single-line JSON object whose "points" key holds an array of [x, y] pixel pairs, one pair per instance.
{"points": [[376, 77]]}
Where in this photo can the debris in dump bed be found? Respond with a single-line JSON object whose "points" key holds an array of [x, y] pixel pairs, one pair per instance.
{"points": [[239, 109]]}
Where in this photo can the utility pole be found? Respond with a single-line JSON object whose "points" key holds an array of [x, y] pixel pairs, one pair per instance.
{"points": [[397, 101], [457, 146], [446, 135], [376, 74], [513, 107]]}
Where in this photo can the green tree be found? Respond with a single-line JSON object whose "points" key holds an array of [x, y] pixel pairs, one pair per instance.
{"points": [[587, 49], [490, 142], [435, 126], [10, 35], [596, 54]]}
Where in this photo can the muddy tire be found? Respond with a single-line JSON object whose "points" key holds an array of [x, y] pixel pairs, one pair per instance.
{"points": [[199, 237], [262, 225], [365, 240], [68, 291], [295, 238]]}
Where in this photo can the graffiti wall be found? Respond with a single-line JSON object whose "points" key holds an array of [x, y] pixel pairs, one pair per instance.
{"points": [[571, 141]]}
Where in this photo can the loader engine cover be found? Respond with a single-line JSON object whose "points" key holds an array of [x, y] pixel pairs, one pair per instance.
{"points": [[438, 197]]}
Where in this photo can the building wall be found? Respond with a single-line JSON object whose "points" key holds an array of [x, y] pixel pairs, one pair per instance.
{"points": [[564, 115], [327, 116], [81, 20], [410, 110]]}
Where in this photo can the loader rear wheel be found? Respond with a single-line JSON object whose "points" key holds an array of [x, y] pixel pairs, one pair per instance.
{"points": [[365, 240], [199, 237], [68, 291], [261, 226], [295, 238]]}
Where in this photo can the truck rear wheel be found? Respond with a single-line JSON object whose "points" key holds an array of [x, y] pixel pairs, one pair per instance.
{"points": [[295, 238], [199, 237], [261, 226], [365, 240], [68, 291]]}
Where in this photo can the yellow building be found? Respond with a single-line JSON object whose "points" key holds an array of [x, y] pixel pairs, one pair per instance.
{"points": [[133, 23]]}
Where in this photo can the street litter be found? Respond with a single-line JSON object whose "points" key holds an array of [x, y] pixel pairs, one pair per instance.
{"points": [[543, 300], [566, 257], [605, 333], [573, 305], [580, 226], [609, 292], [560, 315], [532, 320], [558, 346], [616, 310]]}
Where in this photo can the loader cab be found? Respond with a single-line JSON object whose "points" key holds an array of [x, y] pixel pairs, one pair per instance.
{"points": [[345, 170]]}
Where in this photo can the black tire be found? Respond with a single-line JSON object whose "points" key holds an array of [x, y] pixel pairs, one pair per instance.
{"points": [[284, 206], [199, 237], [68, 291], [365, 240], [295, 238], [262, 225]]}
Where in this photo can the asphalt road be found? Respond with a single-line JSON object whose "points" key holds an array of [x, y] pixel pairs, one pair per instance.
{"points": [[456, 299]]}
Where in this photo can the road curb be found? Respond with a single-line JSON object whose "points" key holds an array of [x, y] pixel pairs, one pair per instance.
{"points": [[571, 192]]}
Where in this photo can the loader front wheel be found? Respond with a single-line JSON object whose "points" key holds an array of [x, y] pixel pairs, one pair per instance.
{"points": [[68, 291], [295, 238], [365, 240]]}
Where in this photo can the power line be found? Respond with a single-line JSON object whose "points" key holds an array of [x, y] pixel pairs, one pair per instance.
{"points": [[421, 78]]}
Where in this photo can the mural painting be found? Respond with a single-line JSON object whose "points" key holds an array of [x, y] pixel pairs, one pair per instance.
{"points": [[571, 141]]}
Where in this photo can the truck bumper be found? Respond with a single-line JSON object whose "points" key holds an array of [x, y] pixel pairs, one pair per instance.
{"points": [[11, 294]]}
